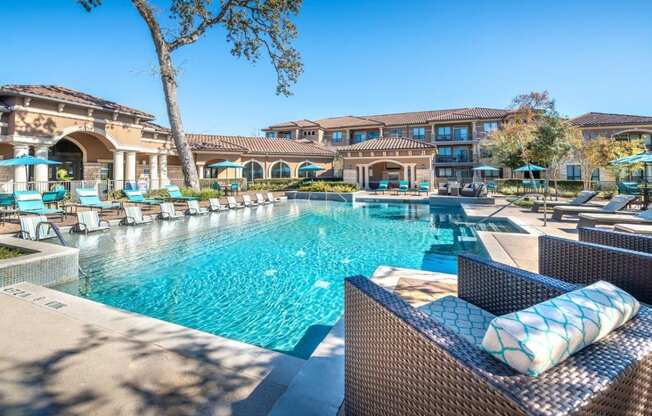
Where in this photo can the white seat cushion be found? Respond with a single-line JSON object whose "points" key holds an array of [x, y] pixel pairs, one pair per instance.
{"points": [[538, 338]]}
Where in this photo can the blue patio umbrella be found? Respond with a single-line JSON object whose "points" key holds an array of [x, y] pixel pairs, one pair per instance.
{"points": [[310, 168], [486, 167], [530, 168], [27, 160], [226, 164], [645, 158]]}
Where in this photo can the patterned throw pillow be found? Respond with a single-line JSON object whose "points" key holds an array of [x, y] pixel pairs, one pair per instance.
{"points": [[461, 317], [542, 336]]}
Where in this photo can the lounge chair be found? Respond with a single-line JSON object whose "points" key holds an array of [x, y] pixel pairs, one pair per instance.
{"points": [[442, 188], [631, 239], [271, 198], [169, 212], [474, 190], [30, 229], [55, 196], [492, 187], [643, 229], [137, 197], [260, 199], [401, 361], [195, 209], [134, 216], [382, 187], [591, 220], [617, 203], [30, 202], [246, 200], [89, 222], [581, 199], [403, 187], [424, 186], [89, 198], [233, 204], [215, 205], [175, 194]]}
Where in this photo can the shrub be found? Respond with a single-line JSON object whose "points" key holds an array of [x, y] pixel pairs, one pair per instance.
{"points": [[116, 194], [275, 184], [329, 187]]}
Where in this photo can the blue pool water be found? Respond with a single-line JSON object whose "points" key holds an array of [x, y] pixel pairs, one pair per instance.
{"points": [[270, 276]]}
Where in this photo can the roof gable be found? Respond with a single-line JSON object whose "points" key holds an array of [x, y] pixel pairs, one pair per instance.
{"points": [[390, 143]]}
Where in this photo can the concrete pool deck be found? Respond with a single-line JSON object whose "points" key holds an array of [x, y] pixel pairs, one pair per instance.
{"points": [[66, 355]]}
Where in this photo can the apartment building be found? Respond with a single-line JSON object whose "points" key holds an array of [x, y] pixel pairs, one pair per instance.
{"points": [[456, 133]]}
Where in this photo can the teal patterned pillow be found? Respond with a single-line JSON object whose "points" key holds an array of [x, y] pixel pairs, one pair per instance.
{"points": [[542, 336], [461, 317]]}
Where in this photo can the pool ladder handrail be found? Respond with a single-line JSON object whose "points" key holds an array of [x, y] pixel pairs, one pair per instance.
{"points": [[57, 232], [501, 208]]}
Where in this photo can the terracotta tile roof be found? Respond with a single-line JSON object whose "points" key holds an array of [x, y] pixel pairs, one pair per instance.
{"points": [[297, 123], [259, 145], [390, 143], [63, 94], [155, 127], [606, 119], [394, 119]]}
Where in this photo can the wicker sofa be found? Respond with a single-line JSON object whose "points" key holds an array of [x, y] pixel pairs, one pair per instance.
{"points": [[629, 241], [584, 263], [399, 361]]}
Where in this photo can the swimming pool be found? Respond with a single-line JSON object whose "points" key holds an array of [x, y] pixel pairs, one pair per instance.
{"points": [[271, 276]]}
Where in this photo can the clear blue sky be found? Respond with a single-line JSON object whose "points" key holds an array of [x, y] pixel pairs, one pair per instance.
{"points": [[361, 57]]}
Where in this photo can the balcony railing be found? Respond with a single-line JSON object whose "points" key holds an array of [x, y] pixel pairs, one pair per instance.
{"points": [[453, 159]]}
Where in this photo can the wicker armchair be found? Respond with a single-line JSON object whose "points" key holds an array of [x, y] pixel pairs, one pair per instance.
{"points": [[399, 361], [585, 263], [636, 242]]}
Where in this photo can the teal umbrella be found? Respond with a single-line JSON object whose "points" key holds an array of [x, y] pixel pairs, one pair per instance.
{"points": [[226, 164], [310, 168], [645, 158], [529, 168], [486, 167], [27, 160]]}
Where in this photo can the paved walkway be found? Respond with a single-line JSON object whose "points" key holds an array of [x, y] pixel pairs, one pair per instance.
{"points": [[65, 355]]}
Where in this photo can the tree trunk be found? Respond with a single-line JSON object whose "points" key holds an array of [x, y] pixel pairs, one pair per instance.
{"points": [[168, 78]]}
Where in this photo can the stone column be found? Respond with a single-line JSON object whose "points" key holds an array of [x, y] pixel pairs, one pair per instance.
{"points": [[118, 168], [366, 177], [405, 173], [41, 171], [200, 170], [381, 132], [163, 169], [130, 167], [20, 172], [153, 172]]}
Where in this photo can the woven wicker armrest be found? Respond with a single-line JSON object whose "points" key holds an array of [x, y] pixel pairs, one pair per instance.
{"points": [[585, 263], [627, 241], [400, 362], [501, 289]]}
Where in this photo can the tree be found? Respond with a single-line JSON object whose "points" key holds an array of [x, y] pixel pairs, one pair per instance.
{"points": [[251, 26], [596, 153]]}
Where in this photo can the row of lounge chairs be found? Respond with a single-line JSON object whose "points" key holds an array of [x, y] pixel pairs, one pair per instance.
{"points": [[403, 187], [36, 226], [401, 360]]}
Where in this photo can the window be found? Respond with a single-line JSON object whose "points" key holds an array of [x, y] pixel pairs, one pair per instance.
{"points": [[308, 132], [489, 126], [106, 171], [252, 170], [491, 173], [281, 170], [283, 135], [573, 172], [419, 133], [373, 135], [270, 134], [443, 133], [465, 173], [445, 172], [337, 137], [359, 136], [461, 133], [595, 176], [444, 154], [395, 132]]}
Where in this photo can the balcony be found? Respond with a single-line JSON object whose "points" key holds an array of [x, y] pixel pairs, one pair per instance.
{"points": [[451, 160]]}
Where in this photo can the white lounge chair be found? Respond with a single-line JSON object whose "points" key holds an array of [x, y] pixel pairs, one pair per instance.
{"points": [[134, 216], [195, 209], [246, 200], [169, 212], [261, 200], [233, 204], [645, 229], [271, 198], [591, 220], [89, 222], [29, 224], [617, 203], [215, 205], [581, 199]]}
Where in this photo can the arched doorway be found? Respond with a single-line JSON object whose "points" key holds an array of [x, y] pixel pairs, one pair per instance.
{"points": [[71, 158], [305, 174], [280, 170], [252, 170]]}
